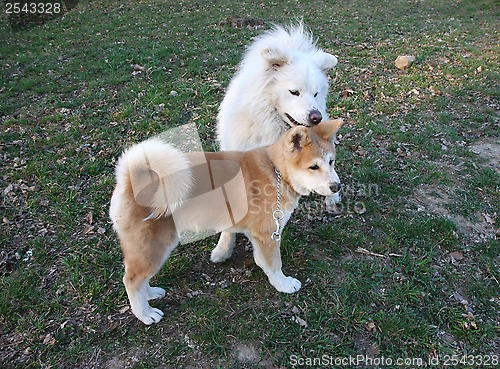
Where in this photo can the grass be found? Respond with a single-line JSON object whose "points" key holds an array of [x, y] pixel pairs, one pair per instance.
{"points": [[78, 89]]}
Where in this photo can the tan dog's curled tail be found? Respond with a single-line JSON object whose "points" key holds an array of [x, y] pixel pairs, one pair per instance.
{"points": [[158, 174]]}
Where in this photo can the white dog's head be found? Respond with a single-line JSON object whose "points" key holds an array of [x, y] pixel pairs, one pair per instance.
{"points": [[300, 85]]}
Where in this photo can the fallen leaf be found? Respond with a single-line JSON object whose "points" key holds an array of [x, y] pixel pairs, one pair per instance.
{"points": [[8, 189], [488, 218], [89, 217], [456, 256], [65, 111], [300, 321], [347, 92], [28, 255], [49, 340], [459, 298], [295, 310], [403, 152], [359, 151], [88, 229], [138, 68], [190, 342], [193, 294], [370, 326]]}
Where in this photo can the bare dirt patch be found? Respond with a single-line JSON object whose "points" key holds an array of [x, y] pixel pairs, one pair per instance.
{"points": [[436, 201], [488, 150]]}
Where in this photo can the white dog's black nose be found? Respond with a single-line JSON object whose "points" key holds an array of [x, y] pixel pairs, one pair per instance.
{"points": [[314, 117], [335, 187]]}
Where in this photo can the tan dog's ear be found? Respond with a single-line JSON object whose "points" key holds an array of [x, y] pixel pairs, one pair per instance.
{"points": [[298, 138], [327, 130]]}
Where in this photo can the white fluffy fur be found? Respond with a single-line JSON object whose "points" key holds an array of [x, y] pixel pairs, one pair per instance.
{"points": [[253, 112], [168, 168]]}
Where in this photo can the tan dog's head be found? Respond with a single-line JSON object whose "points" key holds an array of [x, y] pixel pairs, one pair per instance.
{"points": [[309, 158]]}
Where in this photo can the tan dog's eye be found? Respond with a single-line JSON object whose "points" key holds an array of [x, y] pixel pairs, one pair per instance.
{"points": [[314, 167], [331, 162]]}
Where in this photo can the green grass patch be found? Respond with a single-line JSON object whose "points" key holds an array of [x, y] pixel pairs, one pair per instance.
{"points": [[407, 269]]}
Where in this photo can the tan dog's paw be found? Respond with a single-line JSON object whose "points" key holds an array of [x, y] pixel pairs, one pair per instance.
{"points": [[287, 285], [155, 293], [150, 316]]}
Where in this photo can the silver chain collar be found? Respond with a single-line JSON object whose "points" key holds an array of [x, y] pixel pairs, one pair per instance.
{"points": [[278, 214]]}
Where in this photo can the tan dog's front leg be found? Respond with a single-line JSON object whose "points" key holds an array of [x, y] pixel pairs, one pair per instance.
{"points": [[267, 255]]}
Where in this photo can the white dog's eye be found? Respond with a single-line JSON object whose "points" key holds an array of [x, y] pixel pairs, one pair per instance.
{"points": [[295, 92], [316, 94], [314, 167]]}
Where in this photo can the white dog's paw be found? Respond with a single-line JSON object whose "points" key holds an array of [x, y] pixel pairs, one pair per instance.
{"points": [[224, 248], [155, 293], [287, 284], [219, 255], [332, 201], [150, 316], [336, 197]]}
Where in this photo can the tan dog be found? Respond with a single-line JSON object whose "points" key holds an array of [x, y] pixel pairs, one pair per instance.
{"points": [[162, 193]]}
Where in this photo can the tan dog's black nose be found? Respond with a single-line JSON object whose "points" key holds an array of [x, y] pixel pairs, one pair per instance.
{"points": [[335, 187], [314, 117]]}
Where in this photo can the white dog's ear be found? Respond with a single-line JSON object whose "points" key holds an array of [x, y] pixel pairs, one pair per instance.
{"points": [[298, 138], [275, 57], [325, 61]]}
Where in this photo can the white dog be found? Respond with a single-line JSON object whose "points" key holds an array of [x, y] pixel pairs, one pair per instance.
{"points": [[281, 83]]}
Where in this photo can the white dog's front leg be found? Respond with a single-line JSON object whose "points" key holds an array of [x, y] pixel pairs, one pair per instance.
{"points": [[224, 248], [267, 255]]}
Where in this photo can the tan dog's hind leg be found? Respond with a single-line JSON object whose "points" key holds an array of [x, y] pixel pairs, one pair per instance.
{"points": [[224, 248], [267, 255], [143, 258]]}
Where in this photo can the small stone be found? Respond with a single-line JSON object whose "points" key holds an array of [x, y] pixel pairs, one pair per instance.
{"points": [[404, 62]]}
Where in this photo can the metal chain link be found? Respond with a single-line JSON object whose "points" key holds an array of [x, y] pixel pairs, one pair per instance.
{"points": [[278, 213]]}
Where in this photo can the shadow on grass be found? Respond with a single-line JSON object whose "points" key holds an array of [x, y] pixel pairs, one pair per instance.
{"points": [[26, 14]]}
